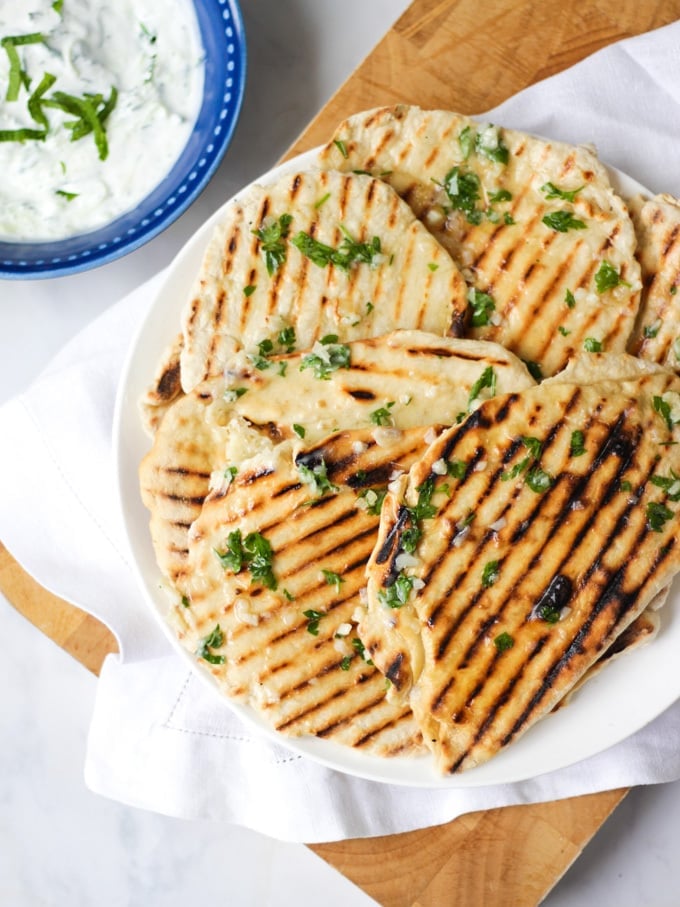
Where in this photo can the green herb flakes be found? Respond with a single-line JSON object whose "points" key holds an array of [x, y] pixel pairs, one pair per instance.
{"points": [[272, 238], [563, 221], [326, 357], [383, 416], [249, 290], [333, 579], [657, 516], [591, 345], [570, 299], [348, 253], [313, 618], [342, 148], [567, 195], [233, 393], [607, 278], [317, 478], [254, 553], [490, 574], [486, 380], [299, 430], [503, 642], [577, 444], [538, 479], [213, 641], [481, 305], [396, 595]]}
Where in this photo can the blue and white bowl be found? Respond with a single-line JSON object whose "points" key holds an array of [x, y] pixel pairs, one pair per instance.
{"points": [[223, 37]]}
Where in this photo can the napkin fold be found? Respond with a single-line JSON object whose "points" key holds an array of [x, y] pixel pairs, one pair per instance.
{"points": [[161, 740]]}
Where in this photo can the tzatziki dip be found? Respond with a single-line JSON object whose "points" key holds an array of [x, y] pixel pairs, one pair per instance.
{"points": [[97, 100]]}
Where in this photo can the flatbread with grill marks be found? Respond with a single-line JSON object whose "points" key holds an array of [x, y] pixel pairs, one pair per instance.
{"points": [[366, 267], [394, 380], [657, 332], [292, 652], [559, 531], [484, 193]]}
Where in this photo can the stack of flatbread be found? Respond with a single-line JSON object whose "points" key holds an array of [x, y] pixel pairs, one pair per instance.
{"points": [[414, 472]]}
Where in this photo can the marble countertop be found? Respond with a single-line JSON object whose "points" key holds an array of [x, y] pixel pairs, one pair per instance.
{"points": [[62, 845]]}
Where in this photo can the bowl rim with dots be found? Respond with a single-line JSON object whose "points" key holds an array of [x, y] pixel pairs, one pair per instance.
{"points": [[223, 37]]}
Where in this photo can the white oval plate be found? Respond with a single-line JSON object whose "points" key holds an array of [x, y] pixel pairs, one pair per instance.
{"points": [[620, 700]]}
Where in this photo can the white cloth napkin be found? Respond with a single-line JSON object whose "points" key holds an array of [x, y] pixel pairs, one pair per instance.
{"points": [[159, 739]]}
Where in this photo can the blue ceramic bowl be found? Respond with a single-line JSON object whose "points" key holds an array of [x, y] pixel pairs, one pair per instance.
{"points": [[223, 38]]}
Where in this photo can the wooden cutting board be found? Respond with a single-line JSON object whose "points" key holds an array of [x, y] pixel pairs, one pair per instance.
{"points": [[468, 56]]}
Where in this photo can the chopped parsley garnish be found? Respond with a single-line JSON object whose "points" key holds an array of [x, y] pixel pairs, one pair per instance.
{"points": [[259, 555], [607, 277], [466, 140], [326, 357], [503, 642], [322, 200], [410, 538], [272, 238], [213, 641], [538, 479], [490, 574], [433, 266], [501, 196], [577, 444], [288, 595], [348, 253], [651, 330], [299, 430], [69, 196], [591, 345], [563, 331], [264, 349], [396, 595], [254, 552], [552, 191], [517, 469], [534, 446], [625, 485], [489, 144], [424, 509], [345, 662], [333, 579], [360, 649], [463, 191], [670, 484], [674, 290], [313, 618], [570, 299], [233, 393], [486, 379], [549, 613], [664, 410], [286, 339], [249, 290], [57, 6], [317, 478], [481, 306], [563, 221], [456, 468], [508, 218], [342, 148], [374, 498], [285, 342], [657, 516], [383, 416], [186, 603]]}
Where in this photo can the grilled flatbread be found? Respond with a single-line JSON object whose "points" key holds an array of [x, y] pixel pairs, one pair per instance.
{"points": [[545, 243], [285, 642], [389, 383], [657, 332], [559, 531], [320, 253]]}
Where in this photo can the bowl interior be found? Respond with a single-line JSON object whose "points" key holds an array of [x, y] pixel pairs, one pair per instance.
{"points": [[223, 39]]}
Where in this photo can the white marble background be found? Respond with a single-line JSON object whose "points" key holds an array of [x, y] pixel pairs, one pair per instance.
{"points": [[60, 845]]}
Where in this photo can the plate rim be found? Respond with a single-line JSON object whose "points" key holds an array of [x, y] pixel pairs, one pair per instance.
{"points": [[508, 766]]}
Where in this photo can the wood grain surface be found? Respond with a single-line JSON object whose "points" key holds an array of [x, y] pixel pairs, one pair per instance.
{"points": [[467, 56]]}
